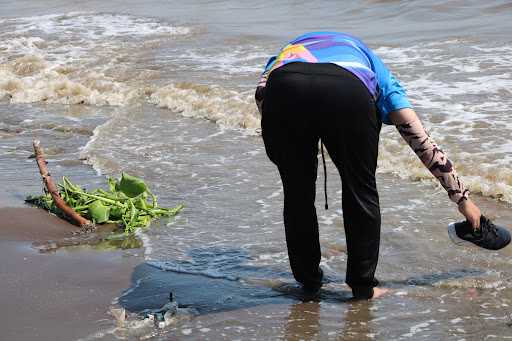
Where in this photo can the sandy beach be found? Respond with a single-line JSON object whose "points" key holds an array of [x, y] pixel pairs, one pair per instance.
{"points": [[61, 295]]}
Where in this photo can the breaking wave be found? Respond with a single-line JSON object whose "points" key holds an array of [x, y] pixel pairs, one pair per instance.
{"points": [[77, 58], [460, 89], [224, 107], [31, 79]]}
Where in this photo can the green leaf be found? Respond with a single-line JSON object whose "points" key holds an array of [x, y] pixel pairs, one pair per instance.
{"points": [[133, 213], [131, 185], [112, 184], [141, 203], [99, 212], [69, 185], [116, 212]]}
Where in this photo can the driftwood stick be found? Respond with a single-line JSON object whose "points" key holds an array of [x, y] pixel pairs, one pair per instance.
{"points": [[52, 189]]}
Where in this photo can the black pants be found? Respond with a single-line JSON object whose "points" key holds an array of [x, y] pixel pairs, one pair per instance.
{"points": [[305, 102]]}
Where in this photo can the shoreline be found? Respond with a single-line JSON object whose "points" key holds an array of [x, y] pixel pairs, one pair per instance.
{"points": [[60, 294]]}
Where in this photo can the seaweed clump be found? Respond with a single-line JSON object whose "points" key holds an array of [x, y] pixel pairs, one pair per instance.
{"points": [[128, 202]]}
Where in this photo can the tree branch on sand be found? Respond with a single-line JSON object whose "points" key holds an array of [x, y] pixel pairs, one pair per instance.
{"points": [[54, 192]]}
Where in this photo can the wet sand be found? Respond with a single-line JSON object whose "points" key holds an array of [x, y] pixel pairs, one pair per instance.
{"points": [[60, 295]]}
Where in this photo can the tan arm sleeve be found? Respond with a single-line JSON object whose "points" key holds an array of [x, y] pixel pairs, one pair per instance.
{"points": [[433, 158]]}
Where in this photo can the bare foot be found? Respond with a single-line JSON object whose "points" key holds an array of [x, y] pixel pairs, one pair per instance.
{"points": [[378, 292]]}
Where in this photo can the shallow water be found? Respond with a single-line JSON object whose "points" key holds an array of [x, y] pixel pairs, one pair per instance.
{"points": [[164, 90]]}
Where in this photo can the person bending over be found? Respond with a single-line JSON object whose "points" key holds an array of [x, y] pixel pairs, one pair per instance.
{"points": [[330, 87]]}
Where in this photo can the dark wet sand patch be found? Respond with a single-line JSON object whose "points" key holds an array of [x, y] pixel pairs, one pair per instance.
{"points": [[62, 295]]}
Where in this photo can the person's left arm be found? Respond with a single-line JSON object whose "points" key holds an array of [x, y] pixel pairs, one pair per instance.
{"points": [[435, 160], [396, 109], [260, 89]]}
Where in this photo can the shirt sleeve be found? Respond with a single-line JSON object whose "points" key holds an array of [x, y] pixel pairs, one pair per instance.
{"points": [[392, 95], [266, 72]]}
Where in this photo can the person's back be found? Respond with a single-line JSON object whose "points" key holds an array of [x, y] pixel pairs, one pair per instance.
{"points": [[327, 47]]}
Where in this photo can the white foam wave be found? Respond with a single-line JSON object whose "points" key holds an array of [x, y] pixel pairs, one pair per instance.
{"points": [[482, 174], [91, 25], [225, 107], [240, 60], [478, 283], [32, 79], [146, 241], [101, 163], [68, 58], [462, 91]]}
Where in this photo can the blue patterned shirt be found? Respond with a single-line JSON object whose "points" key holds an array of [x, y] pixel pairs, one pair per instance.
{"points": [[351, 54]]}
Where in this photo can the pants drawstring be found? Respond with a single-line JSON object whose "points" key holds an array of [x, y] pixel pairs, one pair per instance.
{"points": [[325, 174]]}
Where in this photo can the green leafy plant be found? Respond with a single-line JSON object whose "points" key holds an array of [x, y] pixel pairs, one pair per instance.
{"points": [[128, 202]]}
